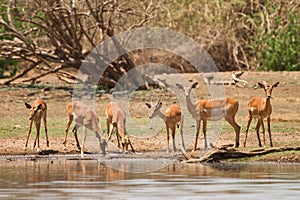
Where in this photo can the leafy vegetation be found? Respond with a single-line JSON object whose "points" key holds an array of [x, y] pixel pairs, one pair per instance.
{"points": [[239, 35], [8, 66], [282, 45], [246, 35]]}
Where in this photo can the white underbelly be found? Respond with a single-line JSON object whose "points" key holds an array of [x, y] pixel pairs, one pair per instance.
{"points": [[214, 114]]}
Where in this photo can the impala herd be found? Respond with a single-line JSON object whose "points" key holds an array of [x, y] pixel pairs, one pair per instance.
{"points": [[202, 110]]}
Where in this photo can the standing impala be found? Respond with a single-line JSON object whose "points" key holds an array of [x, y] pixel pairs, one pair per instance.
{"points": [[38, 110], [84, 117], [171, 117], [116, 116], [261, 108], [212, 110], [75, 128]]}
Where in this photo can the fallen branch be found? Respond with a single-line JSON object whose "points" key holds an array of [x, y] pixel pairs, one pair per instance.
{"points": [[32, 66], [235, 80], [222, 153]]}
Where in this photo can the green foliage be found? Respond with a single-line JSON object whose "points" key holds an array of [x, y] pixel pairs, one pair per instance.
{"points": [[281, 45], [8, 68]]}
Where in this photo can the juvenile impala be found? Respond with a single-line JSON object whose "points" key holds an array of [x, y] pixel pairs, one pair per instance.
{"points": [[212, 110], [116, 116], [171, 117], [38, 110], [261, 108], [84, 117], [74, 130]]}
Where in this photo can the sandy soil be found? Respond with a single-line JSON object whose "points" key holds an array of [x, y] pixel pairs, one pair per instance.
{"points": [[285, 118]]}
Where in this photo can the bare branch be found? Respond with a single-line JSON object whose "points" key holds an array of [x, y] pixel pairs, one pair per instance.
{"points": [[32, 66], [60, 34]]}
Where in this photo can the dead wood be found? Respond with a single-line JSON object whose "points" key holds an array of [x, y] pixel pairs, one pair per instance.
{"points": [[223, 153], [235, 80], [67, 33], [32, 66]]}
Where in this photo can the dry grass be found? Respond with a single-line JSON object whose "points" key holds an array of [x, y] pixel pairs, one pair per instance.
{"points": [[285, 117]]}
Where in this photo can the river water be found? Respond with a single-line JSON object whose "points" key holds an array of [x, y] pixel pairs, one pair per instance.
{"points": [[69, 178]]}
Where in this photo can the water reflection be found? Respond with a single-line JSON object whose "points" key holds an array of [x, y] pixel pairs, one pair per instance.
{"points": [[92, 179]]}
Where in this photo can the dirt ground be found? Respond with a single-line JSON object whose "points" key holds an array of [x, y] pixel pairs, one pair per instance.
{"points": [[285, 117]]}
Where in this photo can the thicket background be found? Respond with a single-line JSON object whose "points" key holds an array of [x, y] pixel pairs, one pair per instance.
{"points": [[239, 35]]}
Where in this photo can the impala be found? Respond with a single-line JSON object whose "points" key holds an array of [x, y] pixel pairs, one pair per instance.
{"points": [[211, 110], [260, 108], [86, 118], [38, 110], [171, 117], [116, 116]]}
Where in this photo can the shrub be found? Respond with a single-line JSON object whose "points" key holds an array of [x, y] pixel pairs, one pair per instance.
{"points": [[281, 46], [8, 68]]}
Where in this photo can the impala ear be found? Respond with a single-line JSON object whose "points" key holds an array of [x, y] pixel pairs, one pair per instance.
{"points": [[179, 86], [194, 85], [159, 105], [261, 85], [159, 100], [27, 105], [275, 84], [148, 105], [39, 106]]}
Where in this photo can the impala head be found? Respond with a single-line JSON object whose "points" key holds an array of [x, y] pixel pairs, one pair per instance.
{"points": [[268, 88], [125, 142], [187, 90], [154, 109], [33, 110]]}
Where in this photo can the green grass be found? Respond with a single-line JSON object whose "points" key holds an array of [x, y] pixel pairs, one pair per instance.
{"points": [[18, 127], [278, 156], [12, 127]]}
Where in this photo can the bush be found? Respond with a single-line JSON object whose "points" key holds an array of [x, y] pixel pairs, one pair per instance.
{"points": [[281, 46], [8, 68]]}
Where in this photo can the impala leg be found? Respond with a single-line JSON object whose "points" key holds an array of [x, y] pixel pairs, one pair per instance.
{"points": [[108, 133], [269, 130], [102, 143], [263, 130], [83, 141], [67, 129], [131, 146], [103, 146], [257, 132], [181, 133], [237, 129], [45, 126], [204, 133], [173, 137], [28, 134], [75, 135], [197, 134], [118, 136], [167, 128], [127, 143], [247, 128], [37, 138]]}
